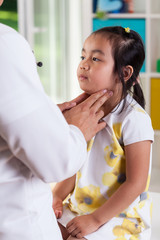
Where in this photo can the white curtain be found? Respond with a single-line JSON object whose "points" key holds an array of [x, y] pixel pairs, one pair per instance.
{"points": [[53, 29]]}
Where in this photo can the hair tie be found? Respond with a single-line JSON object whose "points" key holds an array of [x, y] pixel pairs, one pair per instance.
{"points": [[127, 30]]}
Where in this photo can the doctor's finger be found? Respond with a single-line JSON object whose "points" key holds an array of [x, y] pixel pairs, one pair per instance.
{"points": [[99, 115], [100, 126], [93, 98], [96, 106], [66, 105], [80, 98]]}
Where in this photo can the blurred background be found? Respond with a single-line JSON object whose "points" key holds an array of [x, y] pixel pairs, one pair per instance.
{"points": [[56, 30]]}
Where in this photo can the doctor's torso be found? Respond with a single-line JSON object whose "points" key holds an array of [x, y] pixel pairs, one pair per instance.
{"points": [[25, 200]]}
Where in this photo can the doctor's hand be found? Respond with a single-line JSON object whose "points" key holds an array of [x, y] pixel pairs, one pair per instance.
{"points": [[68, 105], [86, 115]]}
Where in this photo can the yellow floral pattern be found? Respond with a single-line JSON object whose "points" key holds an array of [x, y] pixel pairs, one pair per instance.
{"points": [[89, 145], [115, 158], [127, 228], [88, 199]]}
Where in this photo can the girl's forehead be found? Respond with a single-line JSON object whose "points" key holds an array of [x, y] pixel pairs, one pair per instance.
{"points": [[97, 41]]}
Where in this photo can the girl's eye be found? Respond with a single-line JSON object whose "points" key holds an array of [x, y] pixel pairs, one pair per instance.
{"points": [[95, 59], [82, 58]]}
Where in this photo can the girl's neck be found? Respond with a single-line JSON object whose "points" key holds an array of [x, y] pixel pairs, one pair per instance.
{"points": [[110, 104]]}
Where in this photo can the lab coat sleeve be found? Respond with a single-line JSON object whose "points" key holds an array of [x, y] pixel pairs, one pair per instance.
{"points": [[33, 127]]}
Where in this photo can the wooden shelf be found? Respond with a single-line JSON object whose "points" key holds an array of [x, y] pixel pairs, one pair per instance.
{"points": [[127, 15], [154, 16], [131, 15], [124, 15], [154, 75]]}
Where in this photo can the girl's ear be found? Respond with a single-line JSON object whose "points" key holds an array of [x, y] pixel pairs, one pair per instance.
{"points": [[127, 72]]}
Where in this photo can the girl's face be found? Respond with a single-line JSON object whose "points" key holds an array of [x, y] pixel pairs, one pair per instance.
{"points": [[95, 71]]}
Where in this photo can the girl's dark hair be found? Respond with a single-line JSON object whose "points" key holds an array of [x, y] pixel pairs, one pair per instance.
{"points": [[127, 49]]}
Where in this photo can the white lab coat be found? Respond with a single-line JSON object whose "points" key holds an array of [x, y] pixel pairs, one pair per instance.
{"points": [[37, 145]]}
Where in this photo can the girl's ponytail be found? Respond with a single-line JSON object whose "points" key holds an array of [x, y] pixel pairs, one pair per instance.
{"points": [[138, 94]]}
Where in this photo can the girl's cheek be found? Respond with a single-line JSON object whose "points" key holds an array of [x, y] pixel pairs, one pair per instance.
{"points": [[77, 71]]}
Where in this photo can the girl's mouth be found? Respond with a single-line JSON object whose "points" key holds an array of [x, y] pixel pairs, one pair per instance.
{"points": [[83, 78]]}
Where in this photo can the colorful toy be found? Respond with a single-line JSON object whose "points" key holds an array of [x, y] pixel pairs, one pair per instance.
{"points": [[109, 5], [130, 5], [115, 6]]}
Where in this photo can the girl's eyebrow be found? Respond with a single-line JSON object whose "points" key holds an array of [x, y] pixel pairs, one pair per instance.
{"points": [[95, 51]]}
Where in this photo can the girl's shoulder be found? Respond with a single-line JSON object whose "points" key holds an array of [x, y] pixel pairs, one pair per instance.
{"points": [[127, 109], [134, 112], [133, 121], [136, 124]]}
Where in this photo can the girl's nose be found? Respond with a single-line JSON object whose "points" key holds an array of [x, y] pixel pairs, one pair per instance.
{"points": [[84, 66]]}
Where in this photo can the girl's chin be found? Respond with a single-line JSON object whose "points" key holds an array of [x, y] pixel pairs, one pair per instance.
{"points": [[90, 92]]}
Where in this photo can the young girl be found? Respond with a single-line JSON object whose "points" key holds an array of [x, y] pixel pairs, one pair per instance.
{"points": [[108, 196]]}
